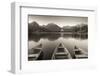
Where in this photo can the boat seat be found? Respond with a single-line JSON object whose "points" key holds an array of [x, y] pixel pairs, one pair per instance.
{"points": [[78, 52], [61, 57], [60, 50]]}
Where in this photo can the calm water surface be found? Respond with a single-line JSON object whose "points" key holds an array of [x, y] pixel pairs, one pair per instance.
{"points": [[51, 40]]}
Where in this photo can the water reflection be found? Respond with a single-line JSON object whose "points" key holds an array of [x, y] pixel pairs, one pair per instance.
{"points": [[55, 36], [50, 41]]}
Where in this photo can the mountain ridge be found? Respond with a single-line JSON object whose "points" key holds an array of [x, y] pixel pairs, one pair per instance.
{"points": [[52, 27]]}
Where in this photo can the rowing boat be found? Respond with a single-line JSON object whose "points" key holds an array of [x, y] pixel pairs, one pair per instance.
{"points": [[61, 52], [35, 53], [79, 53]]}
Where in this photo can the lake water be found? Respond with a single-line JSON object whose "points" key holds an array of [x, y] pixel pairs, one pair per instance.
{"points": [[51, 40]]}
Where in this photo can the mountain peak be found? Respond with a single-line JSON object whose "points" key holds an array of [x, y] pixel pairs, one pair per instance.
{"points": [[53, 27], [34, 23]]}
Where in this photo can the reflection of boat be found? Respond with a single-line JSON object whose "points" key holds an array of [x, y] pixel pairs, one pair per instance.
{"points": [[79, 53], [35, 53], [61, 52]]}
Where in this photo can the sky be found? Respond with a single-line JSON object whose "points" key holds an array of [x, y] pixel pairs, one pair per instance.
{"points": [[59, 20]]}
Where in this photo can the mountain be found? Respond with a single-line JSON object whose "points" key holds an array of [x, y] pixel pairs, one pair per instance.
{"points": [[53, 27], [67, 28], [32, 27], [81, 28], [35, 27], [43, 29]]}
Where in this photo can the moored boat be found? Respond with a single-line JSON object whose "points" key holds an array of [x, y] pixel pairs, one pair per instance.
{"points": [[79, 53], [61, 52], [35, 53]]}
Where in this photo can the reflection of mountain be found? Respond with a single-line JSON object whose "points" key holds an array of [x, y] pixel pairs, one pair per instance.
{"points": [[52, 31], [54, 36], [34, 37], [50, 36], [76, 36]]}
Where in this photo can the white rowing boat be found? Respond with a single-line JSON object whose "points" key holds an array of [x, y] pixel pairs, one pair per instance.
{"points": [[35, 53], [79, 53], [61, 52]]}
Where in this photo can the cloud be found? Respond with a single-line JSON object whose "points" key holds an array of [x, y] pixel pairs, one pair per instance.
{"points": [[59, 20]]}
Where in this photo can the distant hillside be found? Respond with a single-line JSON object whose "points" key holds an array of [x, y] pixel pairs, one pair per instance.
{"points": [[51, 27], [35, 27], [67, 28], [32, 27], [81, 28]]}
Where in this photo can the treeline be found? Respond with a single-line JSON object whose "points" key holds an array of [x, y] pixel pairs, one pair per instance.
{"points": [[80, 28], [51, 27]]}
